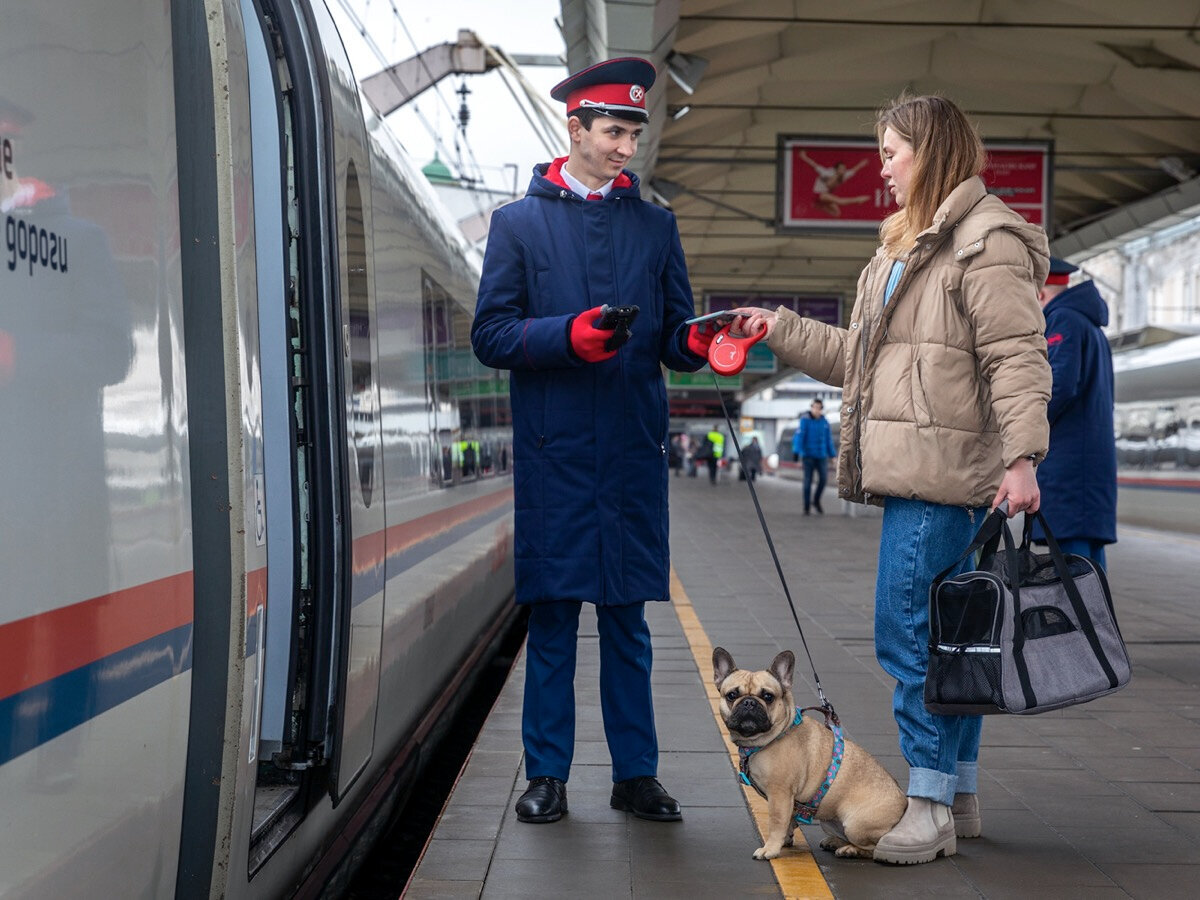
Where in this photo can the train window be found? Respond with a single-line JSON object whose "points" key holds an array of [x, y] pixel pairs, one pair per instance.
{"points": [[364, 417], [468, 402]]}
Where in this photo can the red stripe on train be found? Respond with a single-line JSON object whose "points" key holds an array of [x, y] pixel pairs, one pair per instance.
{"points": [[1136, 481], [36, 649], [39, 648]]}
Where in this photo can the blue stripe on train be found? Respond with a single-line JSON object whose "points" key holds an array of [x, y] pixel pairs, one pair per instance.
{"points": [[46, 710]]}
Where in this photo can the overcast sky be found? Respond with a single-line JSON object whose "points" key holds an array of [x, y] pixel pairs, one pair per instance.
{"points": [[497, 134]]}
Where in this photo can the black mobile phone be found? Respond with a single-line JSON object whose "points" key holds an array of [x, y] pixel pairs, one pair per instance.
{"points": [[617, 318], [613, 316]]}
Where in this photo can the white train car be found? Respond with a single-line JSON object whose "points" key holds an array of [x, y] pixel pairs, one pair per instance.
{"points": [[1157, 424], [255, 489]]}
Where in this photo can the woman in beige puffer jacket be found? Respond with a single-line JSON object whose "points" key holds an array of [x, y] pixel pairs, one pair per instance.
{"points": [[945, 385]]}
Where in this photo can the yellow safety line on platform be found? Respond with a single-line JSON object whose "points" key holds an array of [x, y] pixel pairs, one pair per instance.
{"points": [[796, 871]]}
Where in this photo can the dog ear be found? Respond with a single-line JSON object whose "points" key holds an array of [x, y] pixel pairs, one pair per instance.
{"points": [[723, 664], [782, 666]]}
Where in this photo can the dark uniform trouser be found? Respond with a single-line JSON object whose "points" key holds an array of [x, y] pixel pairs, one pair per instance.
{"points": [[626, 702]]}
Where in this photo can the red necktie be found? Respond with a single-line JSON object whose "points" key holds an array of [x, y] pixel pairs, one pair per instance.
{"points": [[594, 196]]}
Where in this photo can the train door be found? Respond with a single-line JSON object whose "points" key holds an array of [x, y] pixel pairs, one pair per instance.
{"points": [[318, 640]]}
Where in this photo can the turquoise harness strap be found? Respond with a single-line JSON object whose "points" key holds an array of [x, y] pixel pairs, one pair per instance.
{"points": [[804, 812]]}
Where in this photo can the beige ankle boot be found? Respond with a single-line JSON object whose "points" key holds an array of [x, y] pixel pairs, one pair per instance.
{"points": [[966, 816], [925, 830]]}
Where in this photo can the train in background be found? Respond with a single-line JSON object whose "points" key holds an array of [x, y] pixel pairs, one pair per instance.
{"points": [[1157, 425], [256, 490]]}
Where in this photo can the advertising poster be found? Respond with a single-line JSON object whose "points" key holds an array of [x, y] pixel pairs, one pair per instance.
{"points": [[833, 184]]}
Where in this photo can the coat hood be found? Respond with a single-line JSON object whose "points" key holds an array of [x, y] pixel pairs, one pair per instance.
{"points": [[1083, 299], [972, 214], [547, 181]]}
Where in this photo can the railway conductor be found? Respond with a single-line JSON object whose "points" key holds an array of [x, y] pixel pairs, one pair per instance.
{"points": [[1078, 478], [589, 427]]}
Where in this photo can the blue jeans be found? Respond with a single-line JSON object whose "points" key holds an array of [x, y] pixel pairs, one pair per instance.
{"points": [[917, 542], [818, 465]]}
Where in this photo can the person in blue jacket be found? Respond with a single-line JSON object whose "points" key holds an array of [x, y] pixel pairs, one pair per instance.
{"points": [[812, 442], [1078, 478], [589, 427]]}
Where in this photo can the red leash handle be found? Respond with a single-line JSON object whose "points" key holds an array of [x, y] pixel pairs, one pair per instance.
{"points": [[727, 353]]}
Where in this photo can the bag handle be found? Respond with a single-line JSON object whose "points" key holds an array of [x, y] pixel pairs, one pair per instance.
{"points": [[987, 538]]}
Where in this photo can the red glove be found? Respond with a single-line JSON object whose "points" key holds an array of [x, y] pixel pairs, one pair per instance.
{"points": [[701, 335], [587, 340]]}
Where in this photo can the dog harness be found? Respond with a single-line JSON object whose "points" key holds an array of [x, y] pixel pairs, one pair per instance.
{"points": [[804, 812]]}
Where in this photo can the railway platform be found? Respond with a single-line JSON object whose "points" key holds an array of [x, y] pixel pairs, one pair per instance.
{"points": [[1096, 801]]}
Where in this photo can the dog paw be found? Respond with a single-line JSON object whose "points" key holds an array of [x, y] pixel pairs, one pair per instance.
{"points": [[833, 844], [764, 853], [849, 851]]}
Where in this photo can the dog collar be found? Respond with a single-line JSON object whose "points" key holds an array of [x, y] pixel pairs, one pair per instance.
{"points": [[803, 812]]}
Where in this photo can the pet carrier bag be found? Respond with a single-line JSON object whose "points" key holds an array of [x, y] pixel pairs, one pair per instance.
{"points": [[1025, 633]]}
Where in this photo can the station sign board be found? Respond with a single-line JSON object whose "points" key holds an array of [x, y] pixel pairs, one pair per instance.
{"points": [[830, 184], [702, 380]]}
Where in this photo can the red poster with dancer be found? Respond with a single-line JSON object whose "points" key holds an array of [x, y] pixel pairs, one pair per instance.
{"points": [[831, 184]]}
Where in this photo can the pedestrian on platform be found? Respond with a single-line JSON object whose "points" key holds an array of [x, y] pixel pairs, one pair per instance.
{"points": [[589, 427], [945, 384], [751, 461], [1079, 477], [675, 454], [813, 442]]}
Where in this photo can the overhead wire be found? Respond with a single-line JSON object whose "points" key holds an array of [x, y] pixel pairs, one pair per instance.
{"points": [[360, 26], [439, 143]]}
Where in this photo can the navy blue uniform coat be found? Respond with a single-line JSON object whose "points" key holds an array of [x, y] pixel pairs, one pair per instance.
{"points": [[590, 439], [1079, 475]]}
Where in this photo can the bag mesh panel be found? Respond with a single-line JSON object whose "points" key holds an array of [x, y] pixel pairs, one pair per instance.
{"points": [[970, 682]]}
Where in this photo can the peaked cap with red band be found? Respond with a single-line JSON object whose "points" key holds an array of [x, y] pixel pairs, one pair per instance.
{"points": [[1060, 271], [616, 87]]}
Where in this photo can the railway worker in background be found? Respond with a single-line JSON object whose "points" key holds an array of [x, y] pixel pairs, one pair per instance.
{"points": [[944, 390], [813, 443], [589, 427], [715, 451], [1079, 476]]}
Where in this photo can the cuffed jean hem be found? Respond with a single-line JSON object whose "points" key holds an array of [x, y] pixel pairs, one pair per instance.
{"points": [[968, 778], [932, 785]]}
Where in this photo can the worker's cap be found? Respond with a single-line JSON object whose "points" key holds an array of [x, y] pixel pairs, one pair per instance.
{"points": [[616, 87], [1060, 271]]}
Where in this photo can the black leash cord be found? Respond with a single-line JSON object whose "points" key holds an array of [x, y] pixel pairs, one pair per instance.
{"points": [[770, 543]]}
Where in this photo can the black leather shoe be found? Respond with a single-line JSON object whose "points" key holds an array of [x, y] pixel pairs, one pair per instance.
{"points": [[646, 799], [545, 800]]}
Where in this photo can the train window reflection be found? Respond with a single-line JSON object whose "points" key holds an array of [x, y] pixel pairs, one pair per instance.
{"points": [[468, 402], [364, 414]]}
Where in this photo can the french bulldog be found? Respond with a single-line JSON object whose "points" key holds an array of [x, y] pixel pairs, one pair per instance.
{"points": [[790, 762]]}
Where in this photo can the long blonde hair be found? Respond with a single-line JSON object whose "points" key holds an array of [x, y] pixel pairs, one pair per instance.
{"points": [[947, 150]]}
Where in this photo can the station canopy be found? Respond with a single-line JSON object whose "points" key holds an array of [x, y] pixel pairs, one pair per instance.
{"points": [[1110, 88]]}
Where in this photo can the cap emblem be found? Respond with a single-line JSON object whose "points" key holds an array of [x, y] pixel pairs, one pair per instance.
{"points": [[636, 93]]}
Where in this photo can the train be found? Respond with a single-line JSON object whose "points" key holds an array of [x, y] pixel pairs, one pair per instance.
{"points": [[256, 490], [1156, 420]]}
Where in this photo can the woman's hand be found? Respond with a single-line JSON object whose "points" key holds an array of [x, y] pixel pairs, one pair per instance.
{"points": [[1019, 488], [752, 319]]}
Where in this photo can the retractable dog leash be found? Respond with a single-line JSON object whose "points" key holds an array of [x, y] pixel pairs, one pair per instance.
{"points": [[727, 355]]}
